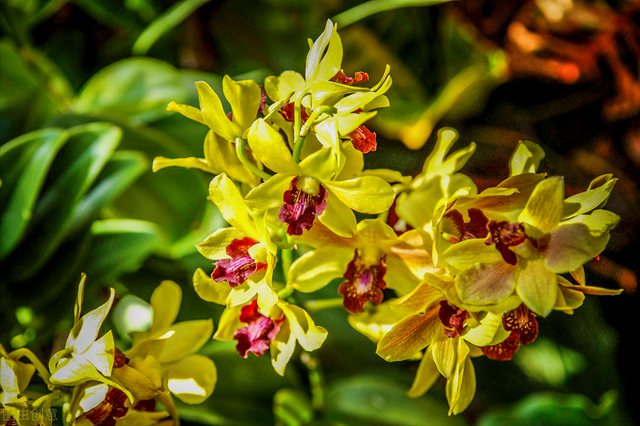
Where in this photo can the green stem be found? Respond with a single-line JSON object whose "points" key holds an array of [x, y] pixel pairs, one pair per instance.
{"points": [[285, 292], [241, 145], [316, 380], [42, 370], [322, 304], [297, 148], [73, 404], [311, 121], [38, 403]]}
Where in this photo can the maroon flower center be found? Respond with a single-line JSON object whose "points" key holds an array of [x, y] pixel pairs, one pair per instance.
{"points": [[365, 283], [476, 227], [240, 266], [452, 318], [522, 324], [260, 330], [109, 409], [300, 208], [504, 235], [119, 359], [363, 140]]}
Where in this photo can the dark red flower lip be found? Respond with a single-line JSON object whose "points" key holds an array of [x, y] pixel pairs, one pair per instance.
{"points": [[452, 318], [240, 266], [522, 324], [364, 284], [504, 235], [301, 208], [259, 332], [363, 139]]}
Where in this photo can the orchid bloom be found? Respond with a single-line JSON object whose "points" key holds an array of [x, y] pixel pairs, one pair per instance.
{"points": [[448, 335], [374, 257], [309, 190], [246, 100], [167, 349], [524, 257], [85, 357], [244, 253], [276, 329]]}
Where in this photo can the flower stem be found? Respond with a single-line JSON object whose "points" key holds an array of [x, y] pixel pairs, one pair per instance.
{"points": [[322, 304], [316, 380], [297, 148], [241, 145], [42, 370]]}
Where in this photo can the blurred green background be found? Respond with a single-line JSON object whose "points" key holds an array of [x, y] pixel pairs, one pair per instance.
{"points": [[83, 89]]}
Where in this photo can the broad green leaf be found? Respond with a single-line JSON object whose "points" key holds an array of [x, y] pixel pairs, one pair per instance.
{"points": [[119, 173], [133, 91], [78, 164], [292, 407], [120, 245], [24, 163], [382, 401]]}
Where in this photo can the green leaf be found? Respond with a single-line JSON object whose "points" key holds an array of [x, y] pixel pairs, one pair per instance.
{"points": [[554, 409], [120, 245], [164, 23], [372, 7], [76, 167], [24, 163], [381, 401], [119, 173], [133, 91], [292, 407]]}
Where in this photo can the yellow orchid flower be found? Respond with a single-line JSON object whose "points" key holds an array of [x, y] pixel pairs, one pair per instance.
{"points": [[276, 329], [310, 189], [245, 254], [15, 407], [85, 357], [369, 261], [246, 100], [166, 352], [450, 336], [100, 404]]}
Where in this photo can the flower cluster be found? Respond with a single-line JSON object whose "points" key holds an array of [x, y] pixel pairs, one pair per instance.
{"points": [[104, 386], [436, 271]]}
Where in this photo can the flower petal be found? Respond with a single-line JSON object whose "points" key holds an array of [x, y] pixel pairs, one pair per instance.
{"points": [[282, 347], [226, 196], [244, 97], [269, 194], [544, 208], [213, 113], [487, 283], [571, 246], [338, 218], [425, 376], [537, 287], [208, 289], [188, 111], [187, 337], [193, 379], [270, 148], [365, 194], [309, 335], [315, 269], [409, 336], [165, 303], [85, 331]]}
